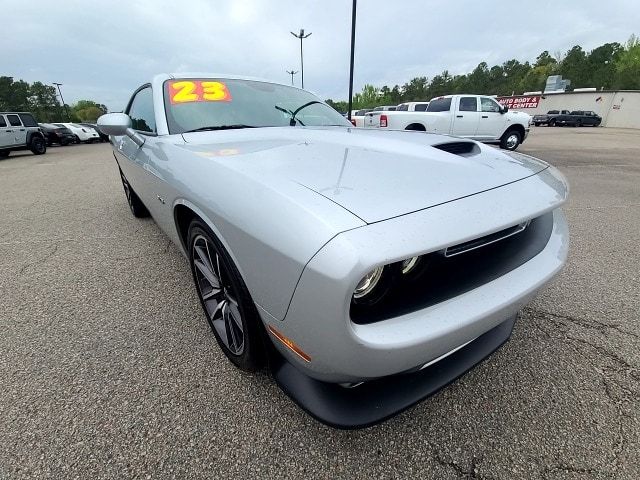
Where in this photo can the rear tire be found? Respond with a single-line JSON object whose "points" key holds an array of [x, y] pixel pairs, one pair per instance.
{"points": [[537, 124], [4, 153], [510, 140], [135, 204], [225, 299], [37, 145]]}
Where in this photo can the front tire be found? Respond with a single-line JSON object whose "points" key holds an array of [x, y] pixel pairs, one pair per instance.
{"points": [[552, 123], [4, 153], [135, 204], [510, 140], [38, 146], [225, 299]]}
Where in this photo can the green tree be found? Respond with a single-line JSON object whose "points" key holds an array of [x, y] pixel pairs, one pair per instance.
{"points": [[87, 111], [43, 103], [627, 65]]}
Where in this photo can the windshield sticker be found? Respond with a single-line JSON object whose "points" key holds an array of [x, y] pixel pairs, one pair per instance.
{"points": [[186, 91]]}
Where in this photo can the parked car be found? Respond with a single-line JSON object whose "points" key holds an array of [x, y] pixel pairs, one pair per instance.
{"points": [[385, 108], [20, 131], [412, 107], [81, 133], [477, 117], [357, 117], [55, 134], [548, 118], [579, 118], [103, 137], [370, 267]]}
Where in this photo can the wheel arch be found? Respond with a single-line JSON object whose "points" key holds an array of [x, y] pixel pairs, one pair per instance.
{"points": [[184, 212], [515, 127], [416, 126], [34, 133]]}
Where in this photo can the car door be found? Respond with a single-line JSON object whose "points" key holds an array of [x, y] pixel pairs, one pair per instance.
{"points": [[467, 116], [492, 122], [144, 166], [6, 133], [18, 131]]}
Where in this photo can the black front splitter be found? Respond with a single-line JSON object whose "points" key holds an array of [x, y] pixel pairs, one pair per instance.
{"points": [[376, 400]]}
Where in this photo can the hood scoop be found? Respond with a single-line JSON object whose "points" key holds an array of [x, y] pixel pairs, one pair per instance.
{"points": [[463, 149]]}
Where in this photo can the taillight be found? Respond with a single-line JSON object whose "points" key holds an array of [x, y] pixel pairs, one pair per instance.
{"points": [[383, 121], [353, 122]]}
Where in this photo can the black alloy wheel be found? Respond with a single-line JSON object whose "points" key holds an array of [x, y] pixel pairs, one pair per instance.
{"points": [[230, 312], [135, 204], [38, 146]]}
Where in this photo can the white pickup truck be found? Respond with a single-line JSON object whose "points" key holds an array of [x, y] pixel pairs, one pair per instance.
{"points": [[472, 116]]}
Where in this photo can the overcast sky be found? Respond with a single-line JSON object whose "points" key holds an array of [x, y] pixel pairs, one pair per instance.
{"points": [[103, 50]]}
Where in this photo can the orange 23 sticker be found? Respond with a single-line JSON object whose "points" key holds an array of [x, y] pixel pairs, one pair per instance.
{"points": [[185, 91]]}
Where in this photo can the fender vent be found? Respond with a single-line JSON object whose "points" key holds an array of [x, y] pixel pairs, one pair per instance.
{"points": [[459, 148]]}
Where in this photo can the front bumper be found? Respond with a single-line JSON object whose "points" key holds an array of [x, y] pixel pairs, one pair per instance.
{"points": [[375, 401], [343, 352]]}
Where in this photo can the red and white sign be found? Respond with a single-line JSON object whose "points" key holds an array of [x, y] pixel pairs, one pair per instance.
{"points": [[518, 102]]}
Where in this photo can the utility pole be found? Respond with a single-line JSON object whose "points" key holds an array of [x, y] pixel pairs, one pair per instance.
{"points": [[301, 36], [292, 73], [64, 105], [353, 45]]}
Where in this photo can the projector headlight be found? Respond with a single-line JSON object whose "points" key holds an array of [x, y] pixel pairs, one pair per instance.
{"points": [[409, 265], [368, 283]]}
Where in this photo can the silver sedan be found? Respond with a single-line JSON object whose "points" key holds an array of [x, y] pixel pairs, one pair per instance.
{"points": [[366, 268]]}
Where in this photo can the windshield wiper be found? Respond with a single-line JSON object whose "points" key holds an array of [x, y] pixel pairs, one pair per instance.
{"points": [[220, 127]]}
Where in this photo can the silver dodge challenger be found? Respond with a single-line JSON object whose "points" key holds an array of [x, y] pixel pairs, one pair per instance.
{"points": [[366, 269]]}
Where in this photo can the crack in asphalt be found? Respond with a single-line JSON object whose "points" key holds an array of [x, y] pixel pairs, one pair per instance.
{"points": [[607, 378], [594, 324], [471, 473], [44, 259]]}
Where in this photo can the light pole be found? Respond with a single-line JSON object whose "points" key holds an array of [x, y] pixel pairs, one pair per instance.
{"points": [[64, 105], [301, 36], [292, 73], [353, 45]]}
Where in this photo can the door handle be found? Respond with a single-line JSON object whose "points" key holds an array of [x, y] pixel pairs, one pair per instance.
{"points": [[485, 116], [22, 129], [459, 116]]}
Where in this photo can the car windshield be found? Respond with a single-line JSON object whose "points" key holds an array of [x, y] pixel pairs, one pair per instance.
{"points": [[210, 104]]}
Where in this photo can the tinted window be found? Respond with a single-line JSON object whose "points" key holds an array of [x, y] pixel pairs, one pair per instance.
{"points": [[14, 120], [489, 105], [392, 109], [28, 120], [552, 112], [402, 108], [439, 105], [141, 111], [3, 122], [468, 104], [421, 107]]}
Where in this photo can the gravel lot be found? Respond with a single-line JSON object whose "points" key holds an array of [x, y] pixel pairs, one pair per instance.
{"points": [[108, 369]]}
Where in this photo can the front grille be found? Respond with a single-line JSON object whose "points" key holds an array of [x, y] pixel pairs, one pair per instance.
{"points": [[445, 277]]}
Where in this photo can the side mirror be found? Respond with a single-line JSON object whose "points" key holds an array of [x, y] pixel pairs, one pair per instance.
{"points": [[118, 124], [504, 109]]}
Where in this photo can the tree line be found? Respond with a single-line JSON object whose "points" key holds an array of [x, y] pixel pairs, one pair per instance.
{"points": [[42, 101], [610, 66]]}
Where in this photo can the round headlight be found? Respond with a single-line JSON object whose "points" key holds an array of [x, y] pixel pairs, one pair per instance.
{"points": [[368, 283], [409, 264]]}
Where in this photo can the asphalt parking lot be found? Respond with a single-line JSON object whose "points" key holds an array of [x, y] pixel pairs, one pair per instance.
{"points": [[108, 368]]}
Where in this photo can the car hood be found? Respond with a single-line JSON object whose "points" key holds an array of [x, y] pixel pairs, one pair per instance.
{"points": [[373, 174]]}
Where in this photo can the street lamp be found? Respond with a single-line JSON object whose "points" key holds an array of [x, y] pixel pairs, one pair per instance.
{"points": [[292, 73], [64, 105], [301, 36], [353, 45]]}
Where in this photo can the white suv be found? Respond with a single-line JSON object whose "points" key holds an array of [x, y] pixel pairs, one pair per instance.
{"points": [[20, 131]]}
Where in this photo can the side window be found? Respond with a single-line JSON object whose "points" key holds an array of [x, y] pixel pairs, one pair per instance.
{"points": [[421, 107], [3, 122], [14, 120], [28, 120], [489, 105], [468, 104], [141, 111], [403, 108], [439, 105]]}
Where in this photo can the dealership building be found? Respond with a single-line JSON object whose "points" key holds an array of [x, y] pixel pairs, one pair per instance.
{"points": [[618, 108]]}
